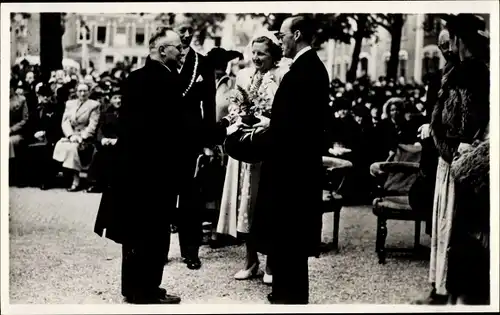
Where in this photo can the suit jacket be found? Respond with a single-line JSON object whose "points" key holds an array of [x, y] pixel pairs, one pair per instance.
{"points": [[199, 101], [159, 132], [48, 118], [81, 119], [19, 115], [288, 207]]}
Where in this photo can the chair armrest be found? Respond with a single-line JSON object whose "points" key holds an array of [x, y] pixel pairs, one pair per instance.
{"points": [[399, 167], [334, 163]]}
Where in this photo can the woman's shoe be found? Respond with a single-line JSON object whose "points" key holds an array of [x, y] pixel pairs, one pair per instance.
{"points": [[74, 188], [268, 279], [253, 271]]}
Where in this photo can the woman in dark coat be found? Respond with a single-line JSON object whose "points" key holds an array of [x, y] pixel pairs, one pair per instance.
{"points": [[101, 169], [468, 277], [459, 119]]}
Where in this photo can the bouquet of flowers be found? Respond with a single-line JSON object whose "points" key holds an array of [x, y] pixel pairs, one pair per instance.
{"points": [[257, 101]]}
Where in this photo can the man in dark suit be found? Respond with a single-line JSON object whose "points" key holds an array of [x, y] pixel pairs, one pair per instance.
{"points": [[287, 221], [159, 136], [197, 77]]}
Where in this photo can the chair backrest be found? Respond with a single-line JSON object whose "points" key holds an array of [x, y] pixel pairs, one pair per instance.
{"points": [[401, 182]]}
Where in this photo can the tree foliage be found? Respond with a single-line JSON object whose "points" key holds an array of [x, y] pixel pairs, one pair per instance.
{"points": [[328, 26], [205, 25]]}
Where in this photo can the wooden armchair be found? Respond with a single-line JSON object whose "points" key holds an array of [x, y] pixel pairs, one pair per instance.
{"points": [[335, 171], [391, 202]]}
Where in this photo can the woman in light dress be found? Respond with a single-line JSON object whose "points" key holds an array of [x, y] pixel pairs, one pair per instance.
{"points": [[79, 125], [260, 81]]}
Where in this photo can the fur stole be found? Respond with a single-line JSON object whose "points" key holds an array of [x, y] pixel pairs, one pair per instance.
{"points": [[471, 171]]}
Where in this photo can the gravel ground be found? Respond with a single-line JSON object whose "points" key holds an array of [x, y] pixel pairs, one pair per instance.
{"points": [[55, 258]]}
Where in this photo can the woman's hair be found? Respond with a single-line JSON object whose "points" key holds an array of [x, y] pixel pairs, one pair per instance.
{"points": [[274, 50], [398, 102]]}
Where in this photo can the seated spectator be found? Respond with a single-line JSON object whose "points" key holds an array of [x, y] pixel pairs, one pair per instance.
{"points": [[79, 124], [394, 132], [19, 115], [45, 127], [100, 170]]}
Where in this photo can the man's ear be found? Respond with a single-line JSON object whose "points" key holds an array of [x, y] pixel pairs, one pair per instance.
{"points": [[297, 35]]}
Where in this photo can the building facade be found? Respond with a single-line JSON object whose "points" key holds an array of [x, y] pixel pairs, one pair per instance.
{"points": [[24, 35]]}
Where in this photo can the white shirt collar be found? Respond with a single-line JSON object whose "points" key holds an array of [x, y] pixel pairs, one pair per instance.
{"points": [[301, 52]]}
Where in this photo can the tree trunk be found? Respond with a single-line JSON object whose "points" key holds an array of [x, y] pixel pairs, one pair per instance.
{"points": [[51, 50], [396, 32], [358, 37]]}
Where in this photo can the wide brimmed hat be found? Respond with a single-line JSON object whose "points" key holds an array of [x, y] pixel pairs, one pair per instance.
{"points": [[219, 57], [45, 90], [466, 25]]}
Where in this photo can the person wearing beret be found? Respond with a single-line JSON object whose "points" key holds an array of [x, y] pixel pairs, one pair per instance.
{"points": [[45, 131], [102, 165]]}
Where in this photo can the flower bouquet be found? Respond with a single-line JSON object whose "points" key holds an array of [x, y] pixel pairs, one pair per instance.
{"points": [[248, 105]]}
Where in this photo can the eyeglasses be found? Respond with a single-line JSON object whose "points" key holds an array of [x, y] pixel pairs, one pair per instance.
{"points": [[178, 47], [280, 35]]}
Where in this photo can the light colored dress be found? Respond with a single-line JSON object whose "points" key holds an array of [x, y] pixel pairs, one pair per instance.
{"points": [[80, 119], [442, 218], [242, 179]]}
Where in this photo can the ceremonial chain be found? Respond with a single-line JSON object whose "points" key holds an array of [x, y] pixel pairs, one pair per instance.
{"points": [[193, 77]]}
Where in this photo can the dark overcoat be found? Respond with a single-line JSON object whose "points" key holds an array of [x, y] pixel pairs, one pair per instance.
{"points": [[160, 134], [288, 216]]}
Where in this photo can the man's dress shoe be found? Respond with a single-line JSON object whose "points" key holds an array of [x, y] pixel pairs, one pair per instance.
{"points": [[161, 298]]}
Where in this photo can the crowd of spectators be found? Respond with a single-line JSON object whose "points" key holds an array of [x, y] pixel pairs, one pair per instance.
{"points": [[370, 118]]}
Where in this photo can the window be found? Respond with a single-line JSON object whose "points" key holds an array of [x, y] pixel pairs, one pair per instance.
{"points": [[217, 41], [101, 35], [140, 36], [120, 38], [87, 31], [364, 64], [402, 68], [110, 59]]}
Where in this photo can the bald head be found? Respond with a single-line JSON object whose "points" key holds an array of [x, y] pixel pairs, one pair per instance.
{"points": [[165, 46], [184, 26]]}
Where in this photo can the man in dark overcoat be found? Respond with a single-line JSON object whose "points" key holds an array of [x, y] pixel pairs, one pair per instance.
{"points": [[197, 78], [288, 217], [159, 138]]}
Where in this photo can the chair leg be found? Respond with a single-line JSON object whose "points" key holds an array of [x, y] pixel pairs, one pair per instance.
{"points": [[417, 234], [336, 224], [381, 237]]}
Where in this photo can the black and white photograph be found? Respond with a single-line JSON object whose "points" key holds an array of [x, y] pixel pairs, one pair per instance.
{"points": [[252, 154]]}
